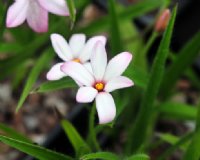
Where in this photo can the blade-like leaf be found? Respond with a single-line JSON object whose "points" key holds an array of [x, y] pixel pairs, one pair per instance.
{"points": [[139, 157], [56, 85], [101, 155], [13, 134], [76, 140], [72, 10], [178, 110], [32, 77], [144, 118], [183, 60], [115, 38], [33, 150]]}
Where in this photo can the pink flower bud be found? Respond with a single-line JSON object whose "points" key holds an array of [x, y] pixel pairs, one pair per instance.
{"points": [[162, 21]]}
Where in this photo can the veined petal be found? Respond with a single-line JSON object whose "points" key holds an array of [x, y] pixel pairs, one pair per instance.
{"points": [[55, 6], [78, 72], [55, 72], [87, 50], [77, 42], [99, 60], [118, 83], [61, 47], [105, 107], [37, 17], [88, 66], [17, 13], [117, 65], [86, 94]]}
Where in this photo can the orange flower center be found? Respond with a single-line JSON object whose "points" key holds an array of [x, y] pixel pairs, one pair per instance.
{"points": [[77, 60], [99, 86]]}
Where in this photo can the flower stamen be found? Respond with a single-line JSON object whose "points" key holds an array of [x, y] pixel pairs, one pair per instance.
{"points": [[77, 60], [99, 86]]}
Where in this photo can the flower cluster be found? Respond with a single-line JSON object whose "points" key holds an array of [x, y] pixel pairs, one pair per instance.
{"points": [[35, 12], [87, 64]]}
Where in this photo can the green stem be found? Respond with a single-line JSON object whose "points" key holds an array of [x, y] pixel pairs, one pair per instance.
{"points": [[92, 132], [193, 151]]}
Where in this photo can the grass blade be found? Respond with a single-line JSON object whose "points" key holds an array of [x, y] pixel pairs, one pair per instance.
{"points": [[144, 117], [55, 85], [100, 155], [76, 140], [33, 150], [139, 157], [183, 60], [13, 134], [40, 64]]}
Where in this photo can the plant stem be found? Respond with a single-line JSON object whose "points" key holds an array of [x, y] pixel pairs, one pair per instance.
{"points": [[92, 132]]}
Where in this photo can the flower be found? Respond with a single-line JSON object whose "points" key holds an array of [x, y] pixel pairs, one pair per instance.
{"points": [[35, 12], [77, 50], [104, 78]]}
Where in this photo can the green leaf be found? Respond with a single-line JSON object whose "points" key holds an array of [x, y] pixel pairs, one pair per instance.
{"points": [[128, 13], [178, 110], [55, 85], [101, 155], [33, 150], [32, 77], [13, 134], [10, 47], [115, 37], [183, 60], [72, 10], [139, 157], [171, 139], [76, 140], [144, 117]]}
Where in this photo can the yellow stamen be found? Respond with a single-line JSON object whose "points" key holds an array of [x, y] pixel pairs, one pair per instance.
{"points": [[99, 86], [76, 60]]}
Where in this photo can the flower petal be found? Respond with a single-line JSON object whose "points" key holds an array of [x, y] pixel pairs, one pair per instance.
{"points": [[88, 66], [118, 83], [78, 72], [77, 42], [16, 14], [61, 47], [117, 65], [99, 60], [87, 50], [37, 17], [86, 94], [55, 73], [105, 107], [55, 6]]}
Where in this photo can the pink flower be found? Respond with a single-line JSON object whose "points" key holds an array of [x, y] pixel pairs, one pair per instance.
{"points": [[103, 79], [77, 50], [35, 12]]}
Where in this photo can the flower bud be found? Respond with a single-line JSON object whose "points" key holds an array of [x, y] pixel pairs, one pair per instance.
{"points": [[162, 21]]}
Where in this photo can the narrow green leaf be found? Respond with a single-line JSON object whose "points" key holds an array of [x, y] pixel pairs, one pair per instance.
{"points": [[115, 38], [10, 47], [76, 140], [13, 134], [193, 151], [100, 155], [178, 110], [139, 157], [72, 10], [183, 60], [33, 150], [55, 85], [144, 116], [32, 77]]}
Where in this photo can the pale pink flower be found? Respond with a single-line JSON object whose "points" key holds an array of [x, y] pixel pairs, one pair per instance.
{"points": [[77, 50], [35, 12], [104, 78]]}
